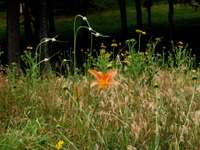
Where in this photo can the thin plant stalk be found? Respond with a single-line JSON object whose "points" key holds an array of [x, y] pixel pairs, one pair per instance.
{"points": [[91, 43], [43, 41], [189, 111], [139, 42], [76, 32], [157, 136], [75, 36]]}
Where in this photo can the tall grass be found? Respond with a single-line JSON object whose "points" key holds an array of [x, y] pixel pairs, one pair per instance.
{"points": [[154, 106], [133, 114]]}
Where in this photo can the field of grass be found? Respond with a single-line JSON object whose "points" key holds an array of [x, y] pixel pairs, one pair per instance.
{"points": [[122, 99], [142, 102]]}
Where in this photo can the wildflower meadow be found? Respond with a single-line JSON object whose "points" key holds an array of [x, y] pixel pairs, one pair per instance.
{"points": [[126, 97]]}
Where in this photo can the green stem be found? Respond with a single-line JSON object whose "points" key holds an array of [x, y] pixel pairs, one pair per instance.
{"points": [[189, 110], [91, 43], [139, 42], [157, 124], [74, 51]]}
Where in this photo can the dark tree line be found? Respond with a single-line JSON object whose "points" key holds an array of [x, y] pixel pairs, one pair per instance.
{"points": [[122, 6], [37, 14], [38, 21], [147, 4], [13, 31]]}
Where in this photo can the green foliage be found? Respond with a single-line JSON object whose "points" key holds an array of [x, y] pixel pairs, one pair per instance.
{"points": [[27, 136], [32, 67], [180, 56], [135, 64], [12, 76], [133, 115], [103, 61]]}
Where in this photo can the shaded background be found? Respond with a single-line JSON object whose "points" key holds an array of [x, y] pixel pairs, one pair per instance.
{"points": [[172, 20]]}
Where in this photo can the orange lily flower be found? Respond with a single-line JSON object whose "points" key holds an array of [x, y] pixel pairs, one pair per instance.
{"points": [[103, 80]]}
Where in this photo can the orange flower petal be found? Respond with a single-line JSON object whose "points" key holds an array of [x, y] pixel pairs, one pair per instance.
{"points": [[95, 73], [103, 80], [110, 74]]}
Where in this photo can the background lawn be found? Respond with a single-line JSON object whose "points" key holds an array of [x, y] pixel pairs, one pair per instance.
{"points": [[107, 21]]}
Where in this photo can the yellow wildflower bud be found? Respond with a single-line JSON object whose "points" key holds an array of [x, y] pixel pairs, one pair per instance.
{"points": [[59, 145], [180, 43], [140, 32], [103, 46], [144, 33], [29, 47], [114, 45]]}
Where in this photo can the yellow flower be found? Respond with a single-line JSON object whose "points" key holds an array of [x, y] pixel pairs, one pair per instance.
{"points": [[29, 47], [180, 44], [103, 80], [114, 44], [140, 31], [144, 33], [103, 46], [59, 145]]}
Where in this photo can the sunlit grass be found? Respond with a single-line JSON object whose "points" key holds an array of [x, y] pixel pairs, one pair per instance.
{"points": [[84, 117]]}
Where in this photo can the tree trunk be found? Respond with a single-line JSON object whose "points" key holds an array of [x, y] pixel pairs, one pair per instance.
{"points": [[138, 13], [52, 29], [13, 31], [83, 38], [171, 20], [43, 19], [27, 23], [43, 28], [122, 6], [149, 4]]}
